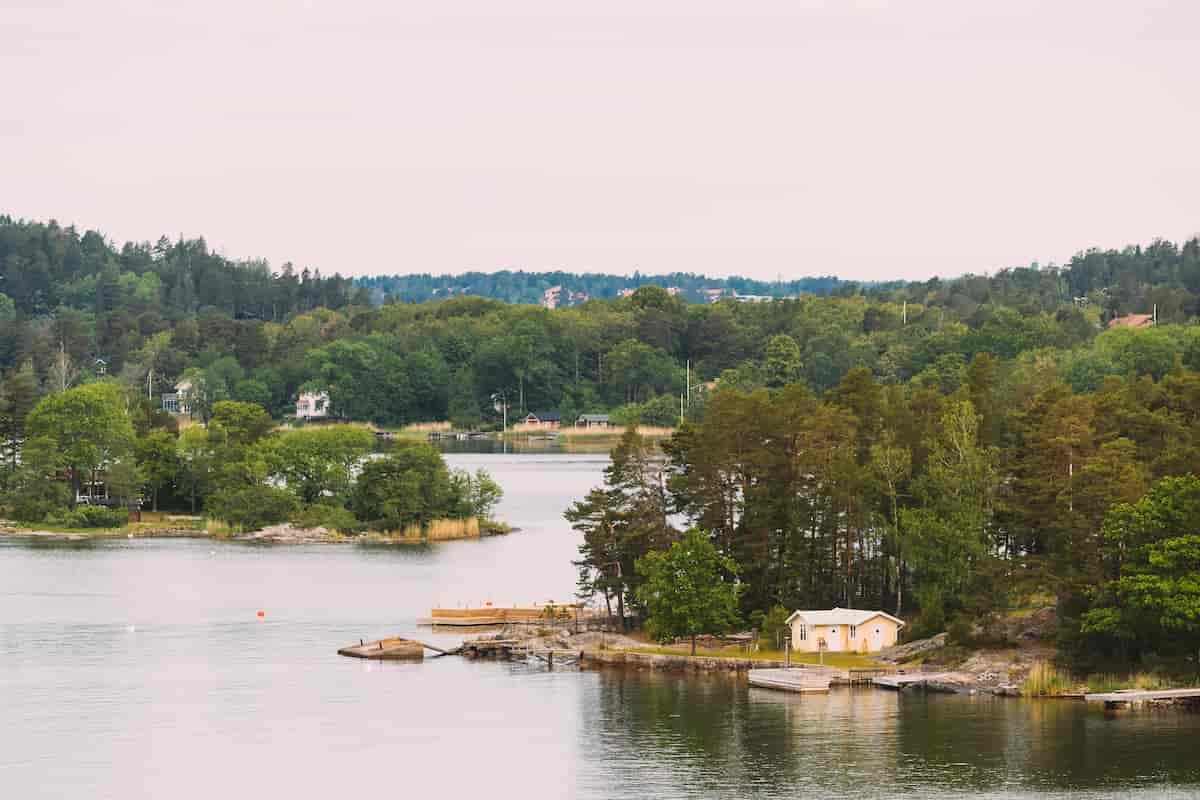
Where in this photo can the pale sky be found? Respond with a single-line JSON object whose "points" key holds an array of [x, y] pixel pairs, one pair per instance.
{"points": [[870, 140]]}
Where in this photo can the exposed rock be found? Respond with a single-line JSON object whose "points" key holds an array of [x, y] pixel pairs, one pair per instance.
{"points": [[906, 652]]}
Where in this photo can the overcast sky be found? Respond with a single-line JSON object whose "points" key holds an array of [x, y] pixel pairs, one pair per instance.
{"points": [[871, 140]]}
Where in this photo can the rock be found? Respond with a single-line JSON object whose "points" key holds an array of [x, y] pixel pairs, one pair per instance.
{"points": [[909, 651]]}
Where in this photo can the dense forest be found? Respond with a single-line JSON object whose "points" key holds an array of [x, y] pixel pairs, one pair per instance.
{"points": [[930, 447]]}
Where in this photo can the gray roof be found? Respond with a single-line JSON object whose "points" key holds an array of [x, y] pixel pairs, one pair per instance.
{"points": [[593, 418]]}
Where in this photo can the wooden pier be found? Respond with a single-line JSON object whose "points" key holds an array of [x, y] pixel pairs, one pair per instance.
{"points": [[910, 680], [494, 615], [801, 681], [1133, 698]]}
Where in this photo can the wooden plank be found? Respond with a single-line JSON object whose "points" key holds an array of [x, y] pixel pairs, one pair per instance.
{"points": [[803, 681], [1138, 695]]}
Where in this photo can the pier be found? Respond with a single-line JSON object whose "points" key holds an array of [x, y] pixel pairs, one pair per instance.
{"points": [[801, 681], [911, 680], [392, 649], [1133, 698]]}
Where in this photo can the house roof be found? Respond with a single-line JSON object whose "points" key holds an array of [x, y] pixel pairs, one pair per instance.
{"points": [[546, 416], [1132, 321], [593, 418], [841, 616]]}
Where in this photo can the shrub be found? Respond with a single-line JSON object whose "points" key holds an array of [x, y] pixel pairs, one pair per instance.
{"points": [[324, 515], [90, 517], [252, 507], [35, 500]]}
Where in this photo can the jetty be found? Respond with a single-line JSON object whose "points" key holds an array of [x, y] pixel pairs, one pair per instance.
{"points": [[801, 681], [925, 680], [392, 649], [517, 615], [1133, 698]]}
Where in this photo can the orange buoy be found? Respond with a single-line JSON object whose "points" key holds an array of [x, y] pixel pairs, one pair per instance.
{"points": [[262, 614]]}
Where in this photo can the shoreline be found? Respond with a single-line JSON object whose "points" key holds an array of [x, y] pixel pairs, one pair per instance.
{"points": [[277, 534]]}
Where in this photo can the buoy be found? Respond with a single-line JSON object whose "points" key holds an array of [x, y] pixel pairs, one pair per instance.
{"points": [[262, 614], [129, 535]]}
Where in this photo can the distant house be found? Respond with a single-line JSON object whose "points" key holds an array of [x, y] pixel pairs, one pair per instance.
{"points": [[543, 419], [593, 421], [843, 630], [552, 297], [312, 405], [180, 400], [1132, 321]]}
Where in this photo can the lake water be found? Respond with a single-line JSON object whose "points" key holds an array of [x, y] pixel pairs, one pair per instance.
{"points": [[138, 669]]}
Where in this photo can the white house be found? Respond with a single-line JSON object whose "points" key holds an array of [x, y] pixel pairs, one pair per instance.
{"points": [[843, 630], [180, 400], [312, 405]]}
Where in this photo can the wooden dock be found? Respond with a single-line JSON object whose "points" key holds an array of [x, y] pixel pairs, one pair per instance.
{"points": [[1137, 697], [801, 681], [494, 615], [910, 680], [391, 649]]}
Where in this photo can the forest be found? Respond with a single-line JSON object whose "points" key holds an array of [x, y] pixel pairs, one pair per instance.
{"points": [[934, 448]]}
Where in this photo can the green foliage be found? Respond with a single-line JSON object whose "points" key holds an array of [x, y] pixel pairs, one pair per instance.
{"points": [[1151, 601], [327, 515], [409, 486], [316, 462], [90, 517], [479, 493], [84, 428], [689, 590], [251, 507]]}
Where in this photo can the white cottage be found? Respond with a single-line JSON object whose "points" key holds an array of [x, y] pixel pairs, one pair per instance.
{"points": [[312, 405], [843, 630]]}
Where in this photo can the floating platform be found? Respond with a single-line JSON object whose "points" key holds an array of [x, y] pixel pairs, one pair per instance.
{"points": [[490, 615], [912, 679], [801, 681], [393, 649], [1136, 697]]}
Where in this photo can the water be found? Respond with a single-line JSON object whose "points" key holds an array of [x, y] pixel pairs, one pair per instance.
{"points": [[138, 669]]}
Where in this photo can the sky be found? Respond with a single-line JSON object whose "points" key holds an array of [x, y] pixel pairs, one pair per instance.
{"points": [[860, 138]]}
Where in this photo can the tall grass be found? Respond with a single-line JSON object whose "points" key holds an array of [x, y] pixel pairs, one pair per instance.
{"points": [[1111, 682], [1047, 680], [441, 530], [426, 427]]}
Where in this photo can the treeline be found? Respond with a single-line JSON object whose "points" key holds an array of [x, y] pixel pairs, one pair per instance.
{"points": [[90, 453], [529, 287], [943, 504], [151, 316]]}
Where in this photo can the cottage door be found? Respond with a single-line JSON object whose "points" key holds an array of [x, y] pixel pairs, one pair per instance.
{"points": [[877, 638]]}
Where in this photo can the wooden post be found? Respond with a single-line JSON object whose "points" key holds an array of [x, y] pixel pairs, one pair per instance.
{"points": [[552, 658]]}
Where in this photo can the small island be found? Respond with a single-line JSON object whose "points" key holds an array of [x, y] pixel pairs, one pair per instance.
{"points": [[88, 458]]}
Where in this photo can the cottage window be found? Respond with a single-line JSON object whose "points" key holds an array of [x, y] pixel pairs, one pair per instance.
{"points": [[833, 630], [853, 631], [802, 633]]}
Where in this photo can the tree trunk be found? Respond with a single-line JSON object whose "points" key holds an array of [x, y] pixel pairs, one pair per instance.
{"points": [[693, 644], [154, 500]]}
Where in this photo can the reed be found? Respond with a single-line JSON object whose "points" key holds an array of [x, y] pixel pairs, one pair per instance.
{"points": [[1111, 682], [615, 431], [442, 529], [1047, 680]]}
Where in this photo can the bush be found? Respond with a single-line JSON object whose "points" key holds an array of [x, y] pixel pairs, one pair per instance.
{"points": [[33, 500], [323, 515], [252, 507], [90, 517]]}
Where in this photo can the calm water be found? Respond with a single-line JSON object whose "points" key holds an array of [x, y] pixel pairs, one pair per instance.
{"points": [[135, 669]]}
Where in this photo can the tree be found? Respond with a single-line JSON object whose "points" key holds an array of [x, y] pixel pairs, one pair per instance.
{"points": [[783, 364], [319, 461], [597, 517], [87, 427], [251, 507], [1151, 601], [689, 590], [18, 395], [479, 492], [197, 462], [409, 486], [157, 460], [463, 403]]}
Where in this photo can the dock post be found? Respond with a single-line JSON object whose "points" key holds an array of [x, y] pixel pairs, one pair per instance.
{"points": [[551, 659]]}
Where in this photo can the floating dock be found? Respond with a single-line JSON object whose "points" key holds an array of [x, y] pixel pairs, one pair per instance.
{"points": [[492, 615], [802, 681], [1137, 697], [392, 649], [913, 679]]}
